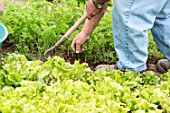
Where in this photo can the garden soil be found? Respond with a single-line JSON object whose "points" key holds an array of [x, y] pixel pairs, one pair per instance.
{"points": [[8, 47]]}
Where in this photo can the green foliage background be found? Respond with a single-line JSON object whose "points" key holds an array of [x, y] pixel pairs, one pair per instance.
{"points": [[37, 25]]}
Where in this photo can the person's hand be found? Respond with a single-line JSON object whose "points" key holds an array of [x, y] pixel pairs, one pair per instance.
{"points": [[78, 41], [91, 9]]}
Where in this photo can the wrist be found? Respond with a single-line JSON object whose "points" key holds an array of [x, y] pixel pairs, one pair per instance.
{"points": [[85, 32]]}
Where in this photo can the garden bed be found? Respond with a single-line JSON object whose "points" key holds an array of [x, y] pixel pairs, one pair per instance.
{"points": [[68, 83], [10, 48]]}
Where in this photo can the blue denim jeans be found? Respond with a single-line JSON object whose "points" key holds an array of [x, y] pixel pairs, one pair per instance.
{"points": [[131, 21]]}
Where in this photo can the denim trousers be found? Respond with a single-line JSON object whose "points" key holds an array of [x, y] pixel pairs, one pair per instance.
{"points": [[131, 20]]}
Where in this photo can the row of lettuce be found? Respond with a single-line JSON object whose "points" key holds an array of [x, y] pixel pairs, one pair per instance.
{"points": [[36, 25], [57, 86]]}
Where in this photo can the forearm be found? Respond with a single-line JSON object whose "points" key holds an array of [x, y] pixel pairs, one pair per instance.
{"points": [[90, 25]]}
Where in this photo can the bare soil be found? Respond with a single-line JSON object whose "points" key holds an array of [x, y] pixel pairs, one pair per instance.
{"points": [[8, 47]]}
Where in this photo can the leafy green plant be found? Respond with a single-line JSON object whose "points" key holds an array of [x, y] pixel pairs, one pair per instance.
{"points": [[62, 87], [36, 26]]}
